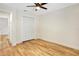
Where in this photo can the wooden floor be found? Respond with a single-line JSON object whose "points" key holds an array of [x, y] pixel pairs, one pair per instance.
{"points": [[4, 41], [38, 48]]}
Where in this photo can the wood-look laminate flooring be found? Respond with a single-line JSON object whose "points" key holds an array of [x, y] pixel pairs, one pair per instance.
{"points": [[38, 47]]}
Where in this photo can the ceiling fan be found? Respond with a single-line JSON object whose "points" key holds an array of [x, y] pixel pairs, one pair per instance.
{"points": [[38, 6]]}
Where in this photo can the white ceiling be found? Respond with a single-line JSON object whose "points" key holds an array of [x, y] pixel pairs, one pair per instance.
{"points": [[31, 10]]}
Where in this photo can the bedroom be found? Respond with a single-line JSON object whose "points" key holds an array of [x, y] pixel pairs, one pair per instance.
{"points": [[42, 30]]}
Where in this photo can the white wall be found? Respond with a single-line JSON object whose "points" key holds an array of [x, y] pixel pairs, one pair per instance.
{"points": [[61, 26], [4, 28]]}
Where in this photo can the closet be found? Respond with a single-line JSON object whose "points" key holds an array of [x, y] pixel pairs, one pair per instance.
{"points": [[28, 30]]}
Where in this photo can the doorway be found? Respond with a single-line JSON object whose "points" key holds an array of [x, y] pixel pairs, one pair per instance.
{"points": [[28, 28], [4, 30]]}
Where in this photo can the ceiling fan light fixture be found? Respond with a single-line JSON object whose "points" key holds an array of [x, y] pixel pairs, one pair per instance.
{"points": [[37, 7]]}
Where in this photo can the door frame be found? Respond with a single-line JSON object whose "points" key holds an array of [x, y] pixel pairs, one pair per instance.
{"points": [[9, 16]]}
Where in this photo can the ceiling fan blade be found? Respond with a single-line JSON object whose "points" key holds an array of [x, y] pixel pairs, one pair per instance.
{"points": [[43, 3], [37, 4], [44, 8], [31, 6]]}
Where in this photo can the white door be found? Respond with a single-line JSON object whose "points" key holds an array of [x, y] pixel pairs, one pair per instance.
{"points": [[28, 28]]}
